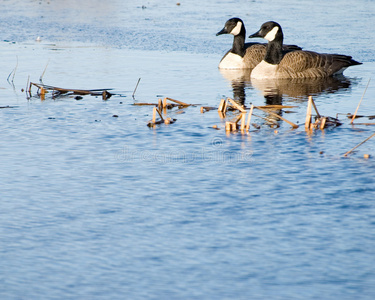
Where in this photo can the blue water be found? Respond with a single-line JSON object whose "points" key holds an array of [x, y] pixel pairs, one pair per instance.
{"points": [[101, 207]]}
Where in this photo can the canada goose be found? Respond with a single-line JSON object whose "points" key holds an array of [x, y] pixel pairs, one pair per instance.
{"points": [[296, 64], [243, 56]]}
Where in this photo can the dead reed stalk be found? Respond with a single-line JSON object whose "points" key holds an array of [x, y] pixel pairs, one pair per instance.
{"points": [[221, 106], [308, 113], [243, 121], [13, 72], [351, 150], [41, 76], [277, 116], [236, 105], [136, 86], [355, 113], [249, 117], [177, 101]]}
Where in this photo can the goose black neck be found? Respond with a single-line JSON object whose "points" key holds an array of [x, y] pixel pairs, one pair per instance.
{"points": [[239, 43], [274, 52]]}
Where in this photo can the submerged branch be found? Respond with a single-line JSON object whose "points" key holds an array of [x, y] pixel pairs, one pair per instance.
{"points": [[95, 92]]}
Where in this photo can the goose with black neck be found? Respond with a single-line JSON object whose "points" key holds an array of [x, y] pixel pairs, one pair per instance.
{"points": [[296, 64]]}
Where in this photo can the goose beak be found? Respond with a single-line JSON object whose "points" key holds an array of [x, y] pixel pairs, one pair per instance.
{"points": [[222, 31], [255, 35]]}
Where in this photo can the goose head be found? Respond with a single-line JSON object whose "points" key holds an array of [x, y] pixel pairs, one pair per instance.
{"points": [[233, 26], [270, 31]]}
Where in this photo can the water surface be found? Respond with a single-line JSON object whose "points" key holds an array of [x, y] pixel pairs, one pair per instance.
{"points": [[101, 207]]}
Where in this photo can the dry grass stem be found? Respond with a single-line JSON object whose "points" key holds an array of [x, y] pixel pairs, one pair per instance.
{"points": [[308, 113], [277, 116], [13, 72], [276, 106], [236, 105], [351, 150], [323, 123], [221, 105], [355, 113], [249, 117], [243, 121], [313, 104], [179, 102], [136, 86], [207, 108], [45, 69]]}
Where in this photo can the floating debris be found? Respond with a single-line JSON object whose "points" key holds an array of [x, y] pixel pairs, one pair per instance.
{"points": [[350, 116], [176, 101], [225, 104], [57, 91], [320, 122], [207, 108], [162, 106], [236, 105]]}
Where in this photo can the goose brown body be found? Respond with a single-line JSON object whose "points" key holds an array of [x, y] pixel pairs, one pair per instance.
{"points": [[296, 64], [254, 53]]}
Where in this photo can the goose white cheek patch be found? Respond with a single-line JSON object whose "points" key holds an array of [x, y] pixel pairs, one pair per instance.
{"points": [[272, 34], [236, 30]]}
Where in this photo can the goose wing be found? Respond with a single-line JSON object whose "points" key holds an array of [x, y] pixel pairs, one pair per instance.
{"points": [[289, 48], [254, 53], [302, 64]]}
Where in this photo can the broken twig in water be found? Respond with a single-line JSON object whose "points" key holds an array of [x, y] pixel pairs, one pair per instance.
{"points": [[236, 105], [157, 109], [308, 114], [221, 106], [351, 150], [366, 124], [136, 86], [27, 89], [276, 106], [355, 113], [313, 104], [206, 108], [42, 94], [96, 92], [230, 126], [249, 117], [159, 113], [178, 102], [320, 121], [243, 121], [145, 104], [41, 76], [13, 72], [277, 116], [323, 122]]}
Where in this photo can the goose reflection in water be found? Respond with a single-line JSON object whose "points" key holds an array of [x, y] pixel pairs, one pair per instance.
{"points": [[274, 90]]}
